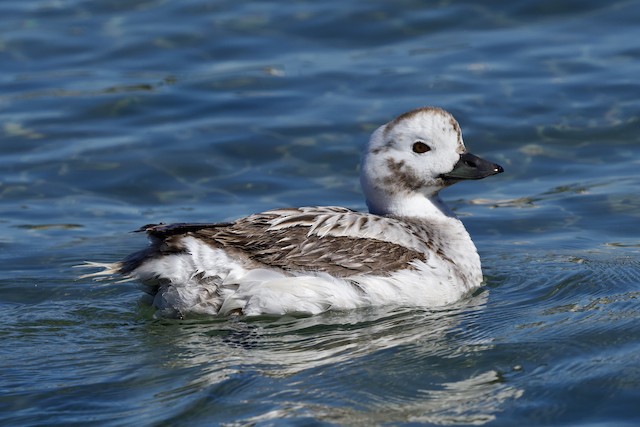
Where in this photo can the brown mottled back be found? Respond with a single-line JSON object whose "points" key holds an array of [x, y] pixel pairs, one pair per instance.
{"points": [[291, 247]]}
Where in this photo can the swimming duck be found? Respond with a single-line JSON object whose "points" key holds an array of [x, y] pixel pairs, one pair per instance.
{"points": [[410, 249]]}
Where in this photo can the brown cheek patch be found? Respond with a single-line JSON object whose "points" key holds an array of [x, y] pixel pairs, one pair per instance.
{"points": [[401, 178]]}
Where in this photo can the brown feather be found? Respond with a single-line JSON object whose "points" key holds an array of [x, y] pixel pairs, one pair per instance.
{"points": [[286, 239]]}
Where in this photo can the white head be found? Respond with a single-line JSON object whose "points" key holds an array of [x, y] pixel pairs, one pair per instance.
{"points": [[411, 158]]}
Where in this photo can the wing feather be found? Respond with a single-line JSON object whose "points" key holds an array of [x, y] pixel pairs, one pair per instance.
{"points": [[323, 239]]}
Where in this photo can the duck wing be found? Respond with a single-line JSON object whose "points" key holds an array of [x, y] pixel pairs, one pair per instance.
{"points": [[333, 240]]}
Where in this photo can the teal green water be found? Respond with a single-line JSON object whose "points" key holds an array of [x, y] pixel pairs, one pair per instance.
{"points": [[115, 114]]}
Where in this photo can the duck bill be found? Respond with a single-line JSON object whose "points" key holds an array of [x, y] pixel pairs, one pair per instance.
{"points": [[471, 167]]}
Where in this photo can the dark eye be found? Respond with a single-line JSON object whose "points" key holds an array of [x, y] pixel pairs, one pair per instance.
{"points": [[420, 147]]}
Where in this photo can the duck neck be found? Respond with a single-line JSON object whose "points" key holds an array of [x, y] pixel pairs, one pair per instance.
{"points": [[439, 224], [415, 206]]}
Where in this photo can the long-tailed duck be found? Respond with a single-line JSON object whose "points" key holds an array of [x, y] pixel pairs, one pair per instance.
{"points": [[410, 249]]}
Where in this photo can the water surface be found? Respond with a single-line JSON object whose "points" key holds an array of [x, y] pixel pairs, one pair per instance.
{"points": [[115, 114]]}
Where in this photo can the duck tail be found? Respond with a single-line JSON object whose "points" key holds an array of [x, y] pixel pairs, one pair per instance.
{"points": [[106, 272]]}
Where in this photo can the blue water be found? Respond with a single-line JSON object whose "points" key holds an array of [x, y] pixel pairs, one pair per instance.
{"points": [[115, 114]]}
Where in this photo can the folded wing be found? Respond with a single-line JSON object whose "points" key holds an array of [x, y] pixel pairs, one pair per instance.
{"points": [[333, 240]]}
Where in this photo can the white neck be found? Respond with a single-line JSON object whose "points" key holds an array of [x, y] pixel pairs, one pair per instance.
{"points": [[415, 205]]}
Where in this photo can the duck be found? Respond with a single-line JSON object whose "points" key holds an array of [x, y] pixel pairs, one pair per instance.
{"points": [[409, 249]]}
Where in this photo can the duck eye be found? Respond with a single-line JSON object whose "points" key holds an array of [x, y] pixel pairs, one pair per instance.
{"points": [[420, 147]]}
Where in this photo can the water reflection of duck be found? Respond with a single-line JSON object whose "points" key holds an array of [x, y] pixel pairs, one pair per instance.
{"points": [[410, 249], [398, 364]]}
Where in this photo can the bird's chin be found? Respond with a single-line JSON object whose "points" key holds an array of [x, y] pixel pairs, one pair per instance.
{"points": [[448, 181], [433, 189]]}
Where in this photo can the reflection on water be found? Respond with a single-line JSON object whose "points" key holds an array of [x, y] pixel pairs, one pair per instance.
{"points": [[359, 354]]}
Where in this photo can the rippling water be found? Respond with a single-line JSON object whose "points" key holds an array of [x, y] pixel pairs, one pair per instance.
{"points": [[115, 114]]}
